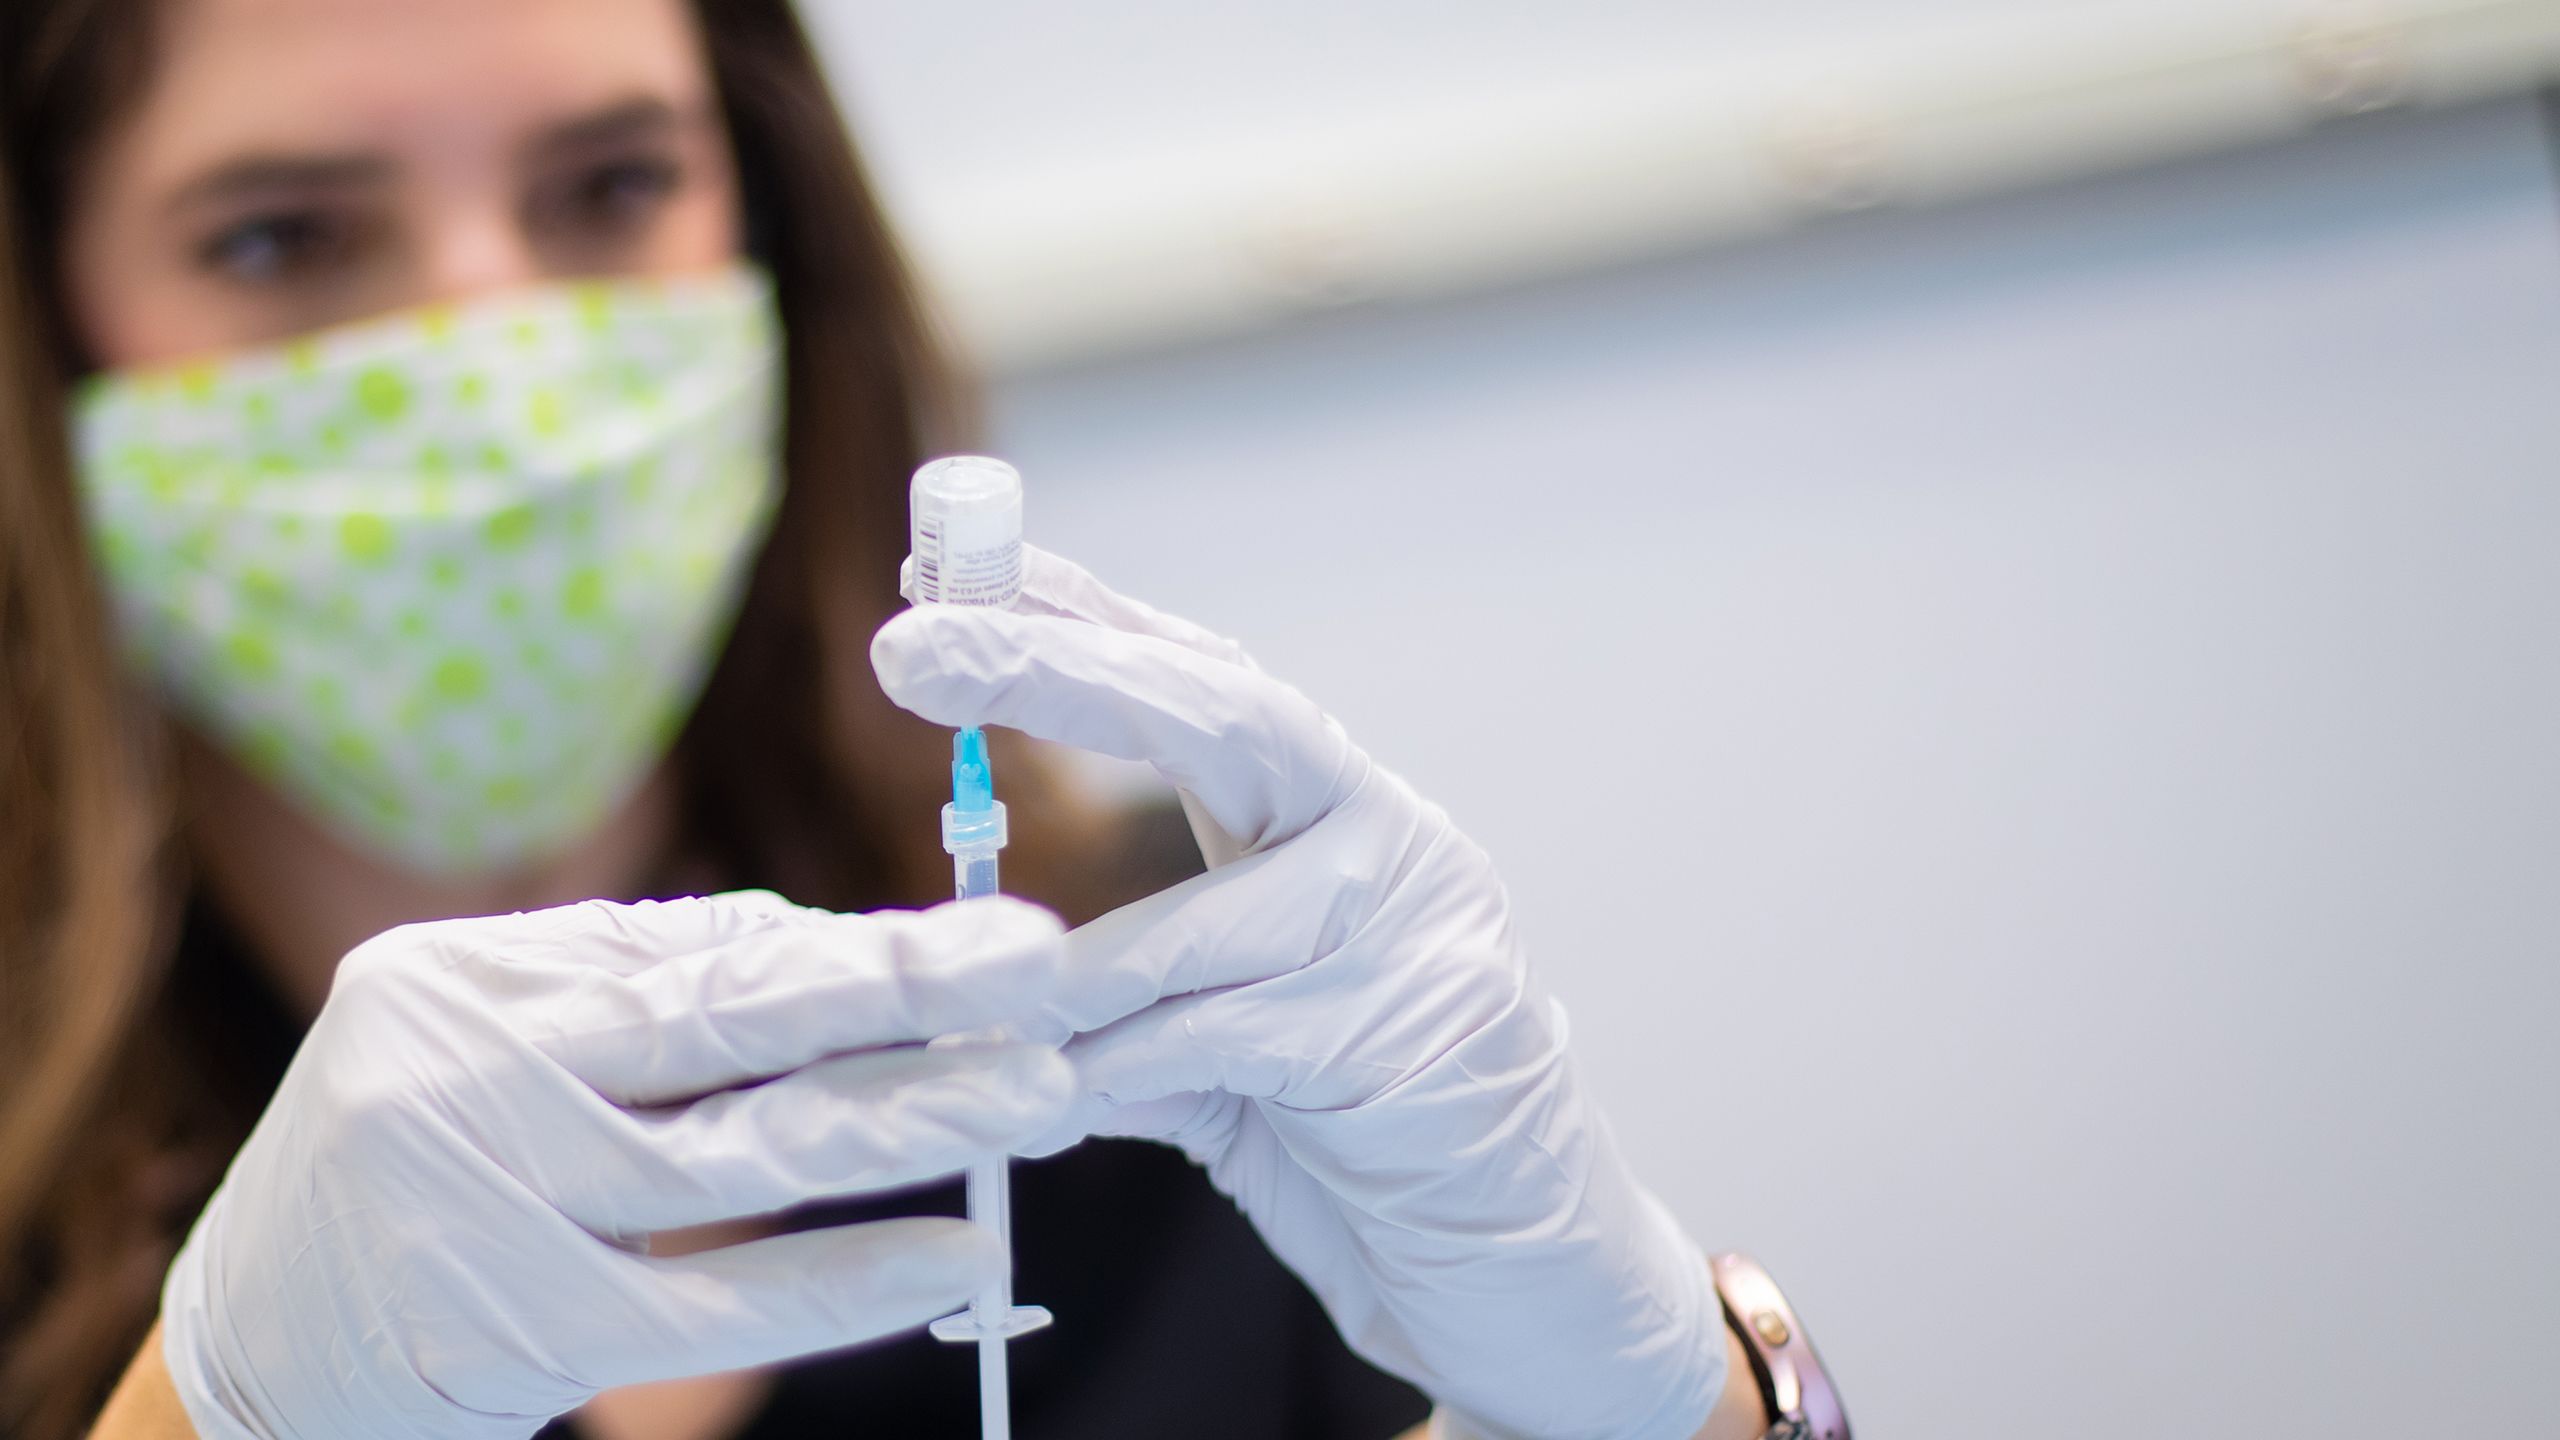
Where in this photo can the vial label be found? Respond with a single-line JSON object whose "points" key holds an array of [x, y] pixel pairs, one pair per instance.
{"points": [[959, 568]]}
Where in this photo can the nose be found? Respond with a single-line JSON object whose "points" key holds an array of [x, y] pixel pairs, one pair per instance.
{"points": [[476, 249]]}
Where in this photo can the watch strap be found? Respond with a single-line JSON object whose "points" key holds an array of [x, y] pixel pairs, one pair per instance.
{"points": [[1792, 1381]]}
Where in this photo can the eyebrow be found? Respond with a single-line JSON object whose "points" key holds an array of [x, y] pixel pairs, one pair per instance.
{"points": [[252, 176], [618, 124]]}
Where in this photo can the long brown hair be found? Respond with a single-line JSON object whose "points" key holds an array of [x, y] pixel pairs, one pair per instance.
{"points": [[795, 772]]}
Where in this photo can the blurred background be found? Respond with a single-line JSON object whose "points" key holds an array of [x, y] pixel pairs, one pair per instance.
{"points": [[1989, 570]]}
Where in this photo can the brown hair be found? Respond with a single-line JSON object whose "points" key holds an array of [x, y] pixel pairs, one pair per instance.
{"points": [[795, 772]]}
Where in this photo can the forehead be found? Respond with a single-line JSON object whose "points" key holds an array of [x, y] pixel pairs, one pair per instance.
{"points": [[413, 76]]}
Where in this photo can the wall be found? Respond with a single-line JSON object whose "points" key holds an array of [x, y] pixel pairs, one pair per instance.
{"points": [[2022, 732]]}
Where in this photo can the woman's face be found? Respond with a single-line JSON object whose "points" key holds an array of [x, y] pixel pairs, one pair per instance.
{"points": [[297, 163]]}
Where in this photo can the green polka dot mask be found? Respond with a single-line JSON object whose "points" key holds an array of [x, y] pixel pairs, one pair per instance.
{"points": [[449, 579]]}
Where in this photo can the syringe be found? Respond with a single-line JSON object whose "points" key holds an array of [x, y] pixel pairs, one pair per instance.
{"points": [[973, 831], [966, 532]]}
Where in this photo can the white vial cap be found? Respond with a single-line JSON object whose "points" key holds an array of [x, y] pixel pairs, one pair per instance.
{"points": [[964, 515]]}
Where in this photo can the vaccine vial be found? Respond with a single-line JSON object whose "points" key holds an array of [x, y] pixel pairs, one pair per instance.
{"points": [[964, 515]]}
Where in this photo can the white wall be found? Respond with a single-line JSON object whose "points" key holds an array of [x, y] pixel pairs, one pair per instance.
{"points": [[2089, 918]]}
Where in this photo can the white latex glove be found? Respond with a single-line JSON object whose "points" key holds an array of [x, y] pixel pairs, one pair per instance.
{"points": [[437, 1227], [1342, 1028]]}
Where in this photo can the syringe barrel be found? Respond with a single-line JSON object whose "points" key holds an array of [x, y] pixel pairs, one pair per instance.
{"points": [[964, 529], [973, 837], [990, 1201], [973, 873], [967, 830]]}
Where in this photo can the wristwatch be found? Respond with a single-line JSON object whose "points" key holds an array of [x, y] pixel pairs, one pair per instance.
{"points": [[1791, 1376]]}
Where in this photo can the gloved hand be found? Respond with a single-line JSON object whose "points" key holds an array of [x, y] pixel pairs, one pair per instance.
{"points": [[438, 1226], [1340, 1025]]}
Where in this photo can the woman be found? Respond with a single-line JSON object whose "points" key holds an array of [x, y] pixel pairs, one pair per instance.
{"points": [[457, 589]]}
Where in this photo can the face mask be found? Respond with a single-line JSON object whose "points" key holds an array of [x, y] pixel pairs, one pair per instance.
{"points": [[449, 579]]}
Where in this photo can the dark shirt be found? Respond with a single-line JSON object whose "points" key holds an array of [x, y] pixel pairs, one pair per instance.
{"points": [[1172, 1320]]}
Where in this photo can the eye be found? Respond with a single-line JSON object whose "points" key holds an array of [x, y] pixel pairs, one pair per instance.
{"points": [[619, 195], [278, 246]]}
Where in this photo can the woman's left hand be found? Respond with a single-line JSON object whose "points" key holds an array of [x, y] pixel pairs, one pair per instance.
{"points": [[1338, 1022]]}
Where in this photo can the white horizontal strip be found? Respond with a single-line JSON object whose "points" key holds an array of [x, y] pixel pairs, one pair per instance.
{"points": [[1179, 244]]}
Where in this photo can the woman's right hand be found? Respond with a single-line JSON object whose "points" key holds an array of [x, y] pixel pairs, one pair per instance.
{"points": [[439, 1227]]}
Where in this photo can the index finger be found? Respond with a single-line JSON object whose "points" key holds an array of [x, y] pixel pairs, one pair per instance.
{"points": [[1262, 759], [772, 1001], [1055, 585], [624, 937]]}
